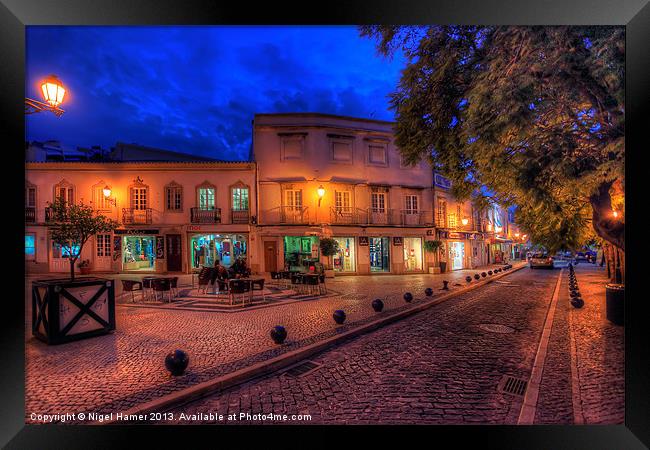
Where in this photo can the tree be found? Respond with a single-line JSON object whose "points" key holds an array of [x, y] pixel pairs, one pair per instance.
{"points": [[535, 114], [329, 247], [433, 247], [72, 225]]}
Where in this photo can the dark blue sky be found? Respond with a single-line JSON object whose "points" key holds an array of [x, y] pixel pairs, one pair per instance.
{"points": [[195, 89]]}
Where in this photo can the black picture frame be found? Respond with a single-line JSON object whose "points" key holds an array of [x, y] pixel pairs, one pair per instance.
{"points": [[635, 15]]}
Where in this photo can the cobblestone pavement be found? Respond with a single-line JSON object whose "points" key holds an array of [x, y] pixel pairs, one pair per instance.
{"points": [[118, 371], [597, 394], [438, 366]]}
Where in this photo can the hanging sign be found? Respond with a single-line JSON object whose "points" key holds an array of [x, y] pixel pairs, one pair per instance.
{"points": [[363, 241], [160, 247], [397, 241]]}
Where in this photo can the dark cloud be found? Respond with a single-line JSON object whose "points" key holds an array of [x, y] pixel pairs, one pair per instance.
{"points": [[196, 89]]}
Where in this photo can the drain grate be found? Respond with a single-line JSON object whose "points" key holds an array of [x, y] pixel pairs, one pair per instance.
{"points": [[303, 369], [496, 328], [512, 385]]}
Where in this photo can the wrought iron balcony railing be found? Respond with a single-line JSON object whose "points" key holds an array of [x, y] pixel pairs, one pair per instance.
{"points": [[30, 214], [286, 215], [411, 217], [198, 215], [240, 216], [348, 215], [132, 216]]}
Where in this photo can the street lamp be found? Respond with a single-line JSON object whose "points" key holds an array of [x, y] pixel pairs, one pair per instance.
{"points": [[321, 193], [464, 221], [615, 213], [498, 229], [53, 93], [107, 195]]}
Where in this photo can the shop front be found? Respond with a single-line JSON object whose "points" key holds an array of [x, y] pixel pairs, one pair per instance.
{"points": [[344, 261], [456, 255], [138, 253], [301, 252], [379, 249], [208, 248]]}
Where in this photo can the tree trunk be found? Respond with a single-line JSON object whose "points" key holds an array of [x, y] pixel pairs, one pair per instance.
{"points": [[606, 226], [72, 261]]}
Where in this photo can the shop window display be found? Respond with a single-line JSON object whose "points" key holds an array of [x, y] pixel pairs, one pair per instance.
{"points": [[344, 261], [412, 254], [301, 252], [225, 248], [379, 254], [139, 252]]}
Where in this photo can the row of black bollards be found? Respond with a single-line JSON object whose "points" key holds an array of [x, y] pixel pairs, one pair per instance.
{"points": [[574, 291], [177, 361]]}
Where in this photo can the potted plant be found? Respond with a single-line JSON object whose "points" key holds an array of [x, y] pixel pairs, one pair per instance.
{"points": [[435, 247], [84, 267], [67, 309], [329, 247]]}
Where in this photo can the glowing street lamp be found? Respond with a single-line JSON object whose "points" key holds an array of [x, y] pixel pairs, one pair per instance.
{"points": [[107, 195], [321, 193], [464, 221], [53, 94], [615, 213]]}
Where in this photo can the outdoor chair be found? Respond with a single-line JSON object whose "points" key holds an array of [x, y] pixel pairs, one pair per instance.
{"points": [[311, 284], [222, 284], [162, 285], [285, 279], [277, 277], [147, 286], [297, 283], [174, 286], [214, 274], [204, 279], [258, 285], [238, 287], [322, 288], [132, 286]]}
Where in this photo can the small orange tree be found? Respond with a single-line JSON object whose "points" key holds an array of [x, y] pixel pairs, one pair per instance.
{"points": [[72, 225]]}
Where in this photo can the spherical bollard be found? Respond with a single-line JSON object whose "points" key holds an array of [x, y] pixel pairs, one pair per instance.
{"points": [[339, 316], [428, 292], [468, 279], [477, 276], [483, 274], [377, 305], [577, 302], [489, 272], [176, 362], [278, 334], [408, 297], [574, 294], [444, 285]]}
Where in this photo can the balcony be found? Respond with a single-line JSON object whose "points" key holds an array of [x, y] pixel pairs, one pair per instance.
{"points": [[240, 216], [30, 214], [132, 216], [409, 217], [348, 216], [378, 216], [286, 215], [198, 215]]}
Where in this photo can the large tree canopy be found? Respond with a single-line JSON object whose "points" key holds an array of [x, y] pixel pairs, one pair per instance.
{"points": [[535, 114]]}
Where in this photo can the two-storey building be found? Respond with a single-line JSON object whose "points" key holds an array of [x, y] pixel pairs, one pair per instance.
{"points": [[321, 175], [173, 216]]}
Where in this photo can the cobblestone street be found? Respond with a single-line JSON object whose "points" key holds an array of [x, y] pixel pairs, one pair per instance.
{"points": [[118, 371], [442, 367]]}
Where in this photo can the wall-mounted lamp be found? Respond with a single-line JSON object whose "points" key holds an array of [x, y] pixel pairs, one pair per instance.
{"points": [[107, 195], [615, 213], [321, 193], [464, 221]]}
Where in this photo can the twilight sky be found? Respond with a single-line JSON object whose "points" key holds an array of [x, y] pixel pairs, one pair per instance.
{"points": [[195, 89]]}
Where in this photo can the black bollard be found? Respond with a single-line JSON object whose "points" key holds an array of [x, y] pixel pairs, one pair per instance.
{"points": [[483, 274], [176, 362], [428, 292], [444, 285], [377, 305], [339, 316], [468, 279], [477, 276], [278, 334], [408, 297]]}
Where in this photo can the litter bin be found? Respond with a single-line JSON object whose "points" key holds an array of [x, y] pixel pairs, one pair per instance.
{"points": [[615, 295]]}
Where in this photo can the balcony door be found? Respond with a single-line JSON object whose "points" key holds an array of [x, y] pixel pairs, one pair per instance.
{"points": [[103, 260], [378, 203], [292, 211]]}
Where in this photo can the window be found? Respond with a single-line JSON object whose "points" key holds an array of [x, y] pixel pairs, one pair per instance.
{"points": [[30, 196], [378, 201], [206, 195], [64, 252], [139, 197], [64, 191], [30, 246], [293, 198], [341, 150], [293, 147], [411, 204], [377, 154], [442, 212], [99, 200], [174, 197], [342, 200], [240, 198], [103, 245]]}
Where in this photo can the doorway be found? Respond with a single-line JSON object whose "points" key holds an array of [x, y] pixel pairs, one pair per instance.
{"points": [[103, 260], [456, 254], [174, 253], [271, 256], [379, 254]]}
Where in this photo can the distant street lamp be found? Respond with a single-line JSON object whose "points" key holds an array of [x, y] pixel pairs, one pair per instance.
{"points": [[615, 213], [464, 221], [321, 193], [53, 93]]}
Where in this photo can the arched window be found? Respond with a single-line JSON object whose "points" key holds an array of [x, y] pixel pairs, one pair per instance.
{"points": [[174, 197], [240, 203], [206, 194], [100, 202], [139, 195], [64, 190]]}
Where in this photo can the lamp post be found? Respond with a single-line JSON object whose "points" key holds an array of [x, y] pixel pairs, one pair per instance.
{"points": [[107, 195], [53, 93], [321, 193], [464, 221]]}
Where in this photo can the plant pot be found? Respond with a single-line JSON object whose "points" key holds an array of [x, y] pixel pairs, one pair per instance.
{"points": [[57, 303], [615, 302], [443, 266], [84, 270], [434, 270]]}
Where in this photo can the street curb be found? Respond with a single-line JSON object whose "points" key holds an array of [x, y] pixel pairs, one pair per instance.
{"points": [[287, 359]]}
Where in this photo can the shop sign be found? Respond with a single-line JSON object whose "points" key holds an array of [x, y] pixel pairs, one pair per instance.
{"points": [[430, 232], [136, 232], [397, 241], [441, 181], [363, 241], [160, 247], [455, 235]]}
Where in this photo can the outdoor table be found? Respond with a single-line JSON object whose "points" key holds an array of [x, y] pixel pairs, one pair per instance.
{"points": [[250, 282]]}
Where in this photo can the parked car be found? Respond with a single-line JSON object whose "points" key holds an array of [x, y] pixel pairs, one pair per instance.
{"points": [[541, 260], [562, 260]]}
